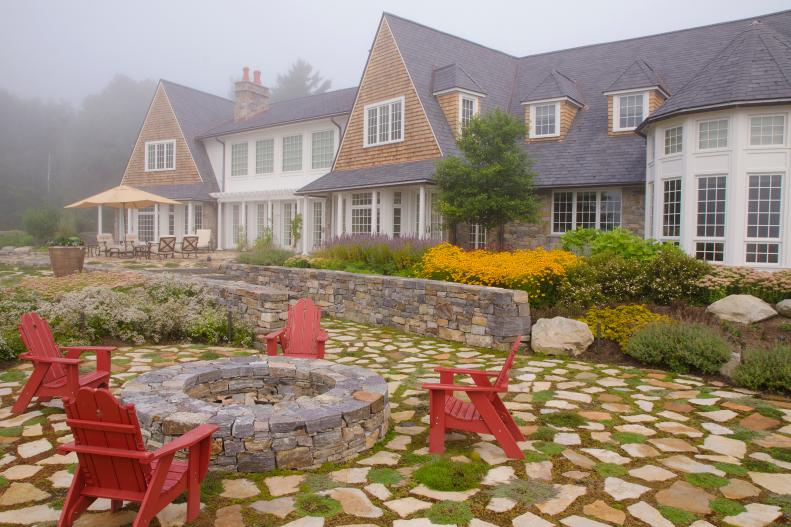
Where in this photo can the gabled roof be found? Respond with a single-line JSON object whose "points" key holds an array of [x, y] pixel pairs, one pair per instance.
{"points": [[321, 105], [638, 75], [195, 111], [453, 76], [556, 85], [755, 67], [391, 174]]}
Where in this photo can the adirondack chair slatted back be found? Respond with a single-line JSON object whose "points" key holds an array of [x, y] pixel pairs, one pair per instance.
{"points": [[502, 379], [302, 328], [97, 419], [37, 337]]}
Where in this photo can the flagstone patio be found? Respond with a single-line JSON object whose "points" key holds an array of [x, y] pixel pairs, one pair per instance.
{"points": [[606, 446]]}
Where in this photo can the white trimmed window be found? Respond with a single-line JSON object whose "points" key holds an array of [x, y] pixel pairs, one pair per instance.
{"points": [[674, 140], [261, 220], [197, 209], [171, 220], [629, 110], [586, 209], [713, 134], [289, 210], [767, 130], [477, 236], [322, 149], [384, 122], [236, 222], [361, 213], [396, 214], [467, 109], [145, 224], [764, 198], [544, 120], [671, 208], [437, 227], [239, 160], [265, 156], [318, 223], [710, 245], [160, 155], [292, 153]]}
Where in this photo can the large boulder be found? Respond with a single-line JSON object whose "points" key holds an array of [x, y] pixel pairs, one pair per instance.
{"points": [[744, 309], [784, 307], [560, 336]]}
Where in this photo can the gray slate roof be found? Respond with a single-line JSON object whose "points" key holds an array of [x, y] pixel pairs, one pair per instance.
{"points": [[327, 104], [454, 76], [755, 66], [393, 174], [587, 155], [638, 75], [195, 111], [555, 85]]}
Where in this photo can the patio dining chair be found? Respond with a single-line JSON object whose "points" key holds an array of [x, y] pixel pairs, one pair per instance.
{"points": [[204, 239], [166, 248], [107, 244], [189, 246]]}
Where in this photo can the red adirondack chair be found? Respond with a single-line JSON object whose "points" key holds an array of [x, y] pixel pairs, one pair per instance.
{"points": [[53, 374], [302, 336], [114, 464], [485, 413]]}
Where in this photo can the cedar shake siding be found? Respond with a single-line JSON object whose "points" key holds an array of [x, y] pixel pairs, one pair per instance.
{"points": [[161, 125], [385, 78], [449, 102], [568, 111]]}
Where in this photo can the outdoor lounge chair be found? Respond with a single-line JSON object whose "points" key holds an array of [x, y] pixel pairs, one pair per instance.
{"points": [[204, 239], [53, 374], [114, 464], [302, 336], [485, 413]]}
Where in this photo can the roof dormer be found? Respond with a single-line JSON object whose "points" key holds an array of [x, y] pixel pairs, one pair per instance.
{"points": [[637, 92], [551, 107], [458, 95]]}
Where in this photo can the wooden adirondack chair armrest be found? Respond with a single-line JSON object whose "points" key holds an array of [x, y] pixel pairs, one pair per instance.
{"points": [[51, 360], [102, 354], [466, 371], [275, 334], [322, 336], [191, 438], [144, 457], [463, 388]]}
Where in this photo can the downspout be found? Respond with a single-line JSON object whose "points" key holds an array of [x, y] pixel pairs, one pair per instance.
{"points": [[222, 180], [330, 200]]}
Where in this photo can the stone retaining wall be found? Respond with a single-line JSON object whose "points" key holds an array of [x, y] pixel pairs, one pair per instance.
{"points": [[262, 308], [475, 315]]}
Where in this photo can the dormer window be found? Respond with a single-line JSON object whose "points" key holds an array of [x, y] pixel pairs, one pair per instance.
{"points": [[384, 122], [468, 107], [630, 109], [160, 155], [544, 120]]}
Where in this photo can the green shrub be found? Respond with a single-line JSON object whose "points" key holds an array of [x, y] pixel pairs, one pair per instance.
{"points": [[617, 242], [16, 239], [603, 279], [620, 322], [444, 474], [373, 253], [765, 369], [41, 223], [721, 281], [450, 512], [264, 252], [672, 275], [679, 347]]}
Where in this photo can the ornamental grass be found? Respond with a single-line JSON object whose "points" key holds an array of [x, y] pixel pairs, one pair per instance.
{"points": [[538, 271]]}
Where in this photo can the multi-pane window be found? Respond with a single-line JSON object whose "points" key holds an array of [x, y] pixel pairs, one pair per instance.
{"points": [[262, 220], [289, 211], [545, 120], [630, 111], [197, 209], [437, 230], [322, 149], [265, 156], [292, 153], [171, 220], [763, 218], [236, 223], [145, 224], [467, 110], [239, 159], [318, 223], [477, 236], [674, 140], [767, 130], [671, 208], [186, 219], [396, 214], [711, 218], [384, 122], [418, 226], [361, 213], [586, 209], [160, 155], [713, 134]]}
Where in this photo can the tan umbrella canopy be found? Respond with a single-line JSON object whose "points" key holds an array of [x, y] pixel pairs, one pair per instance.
{"points": [[122, 197]]}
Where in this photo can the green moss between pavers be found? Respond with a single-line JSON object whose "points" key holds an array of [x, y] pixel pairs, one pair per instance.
{"points": [[726, 507], [315, 505], [447, 475], [607, 470], [385, 476], [626, 438], [525, 492], [731, 469], [757, 465], [706, 480], [563, 419], [677, 516], [450, 513]]}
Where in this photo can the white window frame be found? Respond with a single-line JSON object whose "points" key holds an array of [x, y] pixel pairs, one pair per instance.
{"points": [[155, 143], [389, 102], [750, 130], [779, 239], [679, 213], [312, 148], [533, 107], [301, 152], [262, 169], [576, 191], [666, 135], [357, 203], [477, 236], [616, 108], [698, 125], [244, 167], [464, 97], [711, 239]]}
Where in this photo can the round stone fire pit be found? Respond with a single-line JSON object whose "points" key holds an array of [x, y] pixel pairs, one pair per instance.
{"points": [[273, 412]]}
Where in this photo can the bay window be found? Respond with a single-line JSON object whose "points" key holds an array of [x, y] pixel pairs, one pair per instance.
{"points": [[710, 243], [764, 197], [713, 134], [767, 130], [671, 208], [674, 140], [586, 209]]}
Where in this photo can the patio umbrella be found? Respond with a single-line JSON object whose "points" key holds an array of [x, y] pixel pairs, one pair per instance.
{"points": [[122, 197]]}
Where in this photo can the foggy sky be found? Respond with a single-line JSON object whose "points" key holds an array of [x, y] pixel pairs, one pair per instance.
{"points": [[69, 49]]}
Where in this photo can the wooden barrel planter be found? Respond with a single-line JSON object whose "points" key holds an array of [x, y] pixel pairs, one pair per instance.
{"points": [[66, 260]]}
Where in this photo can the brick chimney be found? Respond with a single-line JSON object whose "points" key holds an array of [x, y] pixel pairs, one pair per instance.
{"points": [[252, 97]]}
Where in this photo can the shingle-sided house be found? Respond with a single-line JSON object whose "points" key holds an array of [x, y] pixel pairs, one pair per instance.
{"points": [[681, 136]]}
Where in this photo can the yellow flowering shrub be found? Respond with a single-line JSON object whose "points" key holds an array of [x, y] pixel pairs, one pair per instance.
{"points": [[537, 271], [621, 322]]}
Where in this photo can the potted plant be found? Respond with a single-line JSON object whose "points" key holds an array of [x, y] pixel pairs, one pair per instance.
{"points": [[66, 255]]}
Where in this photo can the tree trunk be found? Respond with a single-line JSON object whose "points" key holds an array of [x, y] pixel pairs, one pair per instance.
{"points": [[452, 234], [501, 237]]}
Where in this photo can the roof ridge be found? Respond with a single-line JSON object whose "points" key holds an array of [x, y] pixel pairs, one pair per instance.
{"points": [[204, 92], [314, 95], [769, 32]]}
